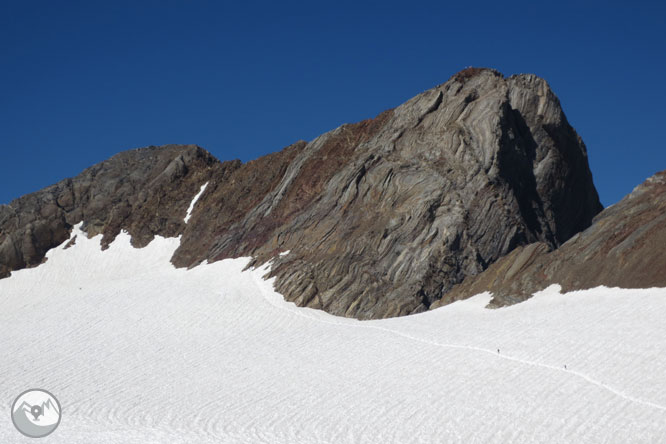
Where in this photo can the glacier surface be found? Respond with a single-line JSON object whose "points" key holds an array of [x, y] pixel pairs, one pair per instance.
{"points": [[137, 351]]}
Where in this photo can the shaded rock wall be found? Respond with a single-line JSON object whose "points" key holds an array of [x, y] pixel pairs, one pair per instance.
{"points": [[624, 247]]}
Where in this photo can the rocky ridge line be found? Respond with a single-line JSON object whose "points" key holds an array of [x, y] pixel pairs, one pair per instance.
{"points": [[381, 218]]}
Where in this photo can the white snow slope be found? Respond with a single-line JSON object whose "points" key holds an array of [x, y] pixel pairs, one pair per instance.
{"points": [[137, 351]]}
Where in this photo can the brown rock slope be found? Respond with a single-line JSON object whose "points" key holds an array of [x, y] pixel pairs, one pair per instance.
{"points": [[625, 247], [381, 218]]}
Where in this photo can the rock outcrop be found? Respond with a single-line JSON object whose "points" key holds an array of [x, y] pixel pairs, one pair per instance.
{"points": [[144, 191], [380, 218], [624, 248]]}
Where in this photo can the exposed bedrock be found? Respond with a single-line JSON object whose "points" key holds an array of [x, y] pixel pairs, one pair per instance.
{"points": [[144, 191], [381, 218], [624, 247]]}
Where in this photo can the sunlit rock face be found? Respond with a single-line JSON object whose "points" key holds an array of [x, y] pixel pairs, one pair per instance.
{"points": [[381, 218]]}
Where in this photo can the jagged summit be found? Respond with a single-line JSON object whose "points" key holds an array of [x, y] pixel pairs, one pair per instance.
{"points": [[381, 217]]}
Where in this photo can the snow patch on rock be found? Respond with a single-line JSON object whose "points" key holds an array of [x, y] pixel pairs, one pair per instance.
{"points": [[194, 201]]}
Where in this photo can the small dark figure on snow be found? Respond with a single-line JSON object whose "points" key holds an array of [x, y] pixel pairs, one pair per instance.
{"points": [[498, 351]]}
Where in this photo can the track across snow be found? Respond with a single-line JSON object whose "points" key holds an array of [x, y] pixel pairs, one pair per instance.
{"points": [[140, 352], [492, 353]]}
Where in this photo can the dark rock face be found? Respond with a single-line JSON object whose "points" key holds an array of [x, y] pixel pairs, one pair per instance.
{"points": [[624, 247], [145, 192], [381, 218]]}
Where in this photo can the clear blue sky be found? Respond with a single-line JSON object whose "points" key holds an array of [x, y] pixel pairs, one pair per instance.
{"points": [[82, 81]]}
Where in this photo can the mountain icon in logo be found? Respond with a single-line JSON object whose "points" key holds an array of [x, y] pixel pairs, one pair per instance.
{"points": [[36, 413]]}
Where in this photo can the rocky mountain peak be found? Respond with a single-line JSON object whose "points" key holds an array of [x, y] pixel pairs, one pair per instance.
{"points": [[380, 218]]}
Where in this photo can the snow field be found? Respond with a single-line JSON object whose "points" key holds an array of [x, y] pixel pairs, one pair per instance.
{"points": [[140, 352]]}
